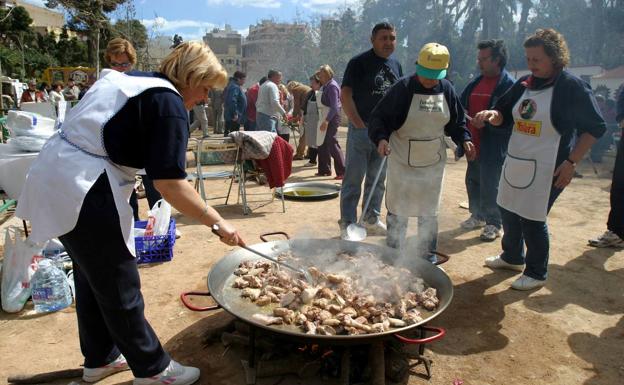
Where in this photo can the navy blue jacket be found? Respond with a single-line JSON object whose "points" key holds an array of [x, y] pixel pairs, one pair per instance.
{"points": [[573, 110], [391, 111], [499, 135], [234, 102]]}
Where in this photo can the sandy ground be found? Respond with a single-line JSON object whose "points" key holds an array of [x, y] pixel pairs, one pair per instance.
{"points": [[569, 332]]}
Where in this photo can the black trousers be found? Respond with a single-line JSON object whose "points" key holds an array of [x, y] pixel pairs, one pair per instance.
{"points": [[615, 222], [151, 194], [109, 303]]}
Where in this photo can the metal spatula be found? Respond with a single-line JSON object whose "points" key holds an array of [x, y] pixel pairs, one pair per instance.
{"points": [[355, 231]]}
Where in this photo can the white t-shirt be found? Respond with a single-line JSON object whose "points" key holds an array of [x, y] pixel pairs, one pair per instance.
{"points": [[269, 100]]}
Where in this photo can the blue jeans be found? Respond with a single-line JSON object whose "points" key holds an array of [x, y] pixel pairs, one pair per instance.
{"points": [[265, 122], [427, 238], [362, 160], [482, 186], [520, 231]]}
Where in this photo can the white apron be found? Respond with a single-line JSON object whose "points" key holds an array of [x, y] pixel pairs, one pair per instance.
{"points": [[527, 177], [310, 123], [323, 111], [416, 163], [74, 157]]}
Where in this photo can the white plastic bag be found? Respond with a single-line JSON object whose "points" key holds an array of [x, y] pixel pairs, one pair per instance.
{"points": [[20, 263], [161, 212]]}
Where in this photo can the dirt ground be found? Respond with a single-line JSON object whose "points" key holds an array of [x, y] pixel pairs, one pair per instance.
{"points": [[569, 332]]}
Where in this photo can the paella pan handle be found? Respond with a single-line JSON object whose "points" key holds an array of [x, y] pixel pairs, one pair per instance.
{"points": [[263, 236], [440, 333], [442, 258], [184, 297]]}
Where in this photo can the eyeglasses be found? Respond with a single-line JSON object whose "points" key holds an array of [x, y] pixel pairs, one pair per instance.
{"points": [[122, 65]]}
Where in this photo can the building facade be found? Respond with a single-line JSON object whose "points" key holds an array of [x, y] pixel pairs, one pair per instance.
{"points": [[227, 46]]}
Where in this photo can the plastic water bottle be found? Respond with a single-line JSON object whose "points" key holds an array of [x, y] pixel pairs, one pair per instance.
{"points": [[50, 289]]}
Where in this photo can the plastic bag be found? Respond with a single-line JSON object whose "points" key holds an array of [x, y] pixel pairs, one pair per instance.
{"points": [[161, 214], [20, 262]]}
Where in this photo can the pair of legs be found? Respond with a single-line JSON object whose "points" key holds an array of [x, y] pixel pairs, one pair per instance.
{"points": [[330, 149], [427, 238], [151, 194], [109, 303], [231, 126], [521, 232], [362, 162]]}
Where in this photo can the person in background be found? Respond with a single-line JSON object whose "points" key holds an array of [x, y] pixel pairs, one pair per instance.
{"points": [[32, 94], [366, 79], [310, 119], [607, 109], [268, 106], [252, 97], [300, 93], [549, 107], [101, 145], [201, 119], [330, 149], [490, 143], [44, 88], [614, 236], [409, 125], [56, 94], [216, 103], [286, 100], [71, 91], [234, 103], [83, 90]]}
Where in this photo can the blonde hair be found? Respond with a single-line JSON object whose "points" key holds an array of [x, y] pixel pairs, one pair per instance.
{"points": [[192, 64], [119, 46], [554, 45], [327, 70]]}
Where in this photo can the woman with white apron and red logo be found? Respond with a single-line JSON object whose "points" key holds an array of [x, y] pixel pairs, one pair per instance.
{"points": [[548, 107], [409, 125], [78, 190]]}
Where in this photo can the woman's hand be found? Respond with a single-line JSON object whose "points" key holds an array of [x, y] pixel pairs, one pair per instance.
{"points": [[383, 148], [470, 151], [323, 126], [493, 117], [564, 174], [227, 233]]}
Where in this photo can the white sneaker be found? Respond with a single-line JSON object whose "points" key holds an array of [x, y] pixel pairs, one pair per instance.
{"points": [[174, 374], [527, 283], [309, 164], [178, 234], [343, 234], [490, 233], [377, 228], [96, 374], [497, 262], [608, 239], [472, 223]]}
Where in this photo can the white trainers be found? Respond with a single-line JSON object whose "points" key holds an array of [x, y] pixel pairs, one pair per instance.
{"points": [[174, 374], [472, 223], [490, 233], [527, 283], [343, 234], [178, 234], [497, 262], [96, 374], [377, 228], [608, 239]]}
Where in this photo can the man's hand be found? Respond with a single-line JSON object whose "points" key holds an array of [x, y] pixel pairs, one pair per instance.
{"points": [[469, 149], [323, 126], [235, 118], [493, 117], [383, 148]]}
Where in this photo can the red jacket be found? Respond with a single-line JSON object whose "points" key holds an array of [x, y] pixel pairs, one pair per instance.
{"points": [[26, 98], [252, 97]]}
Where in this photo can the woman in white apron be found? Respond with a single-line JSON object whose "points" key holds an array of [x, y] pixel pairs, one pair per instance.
{"points": [[409, 125], [78, 190], [311, 119], [549, 108]]}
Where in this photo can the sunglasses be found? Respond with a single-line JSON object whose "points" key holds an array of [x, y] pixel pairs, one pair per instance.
{"points": [[122, 65]]}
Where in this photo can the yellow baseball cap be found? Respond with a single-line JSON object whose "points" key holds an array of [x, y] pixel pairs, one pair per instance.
{"points": [[433, 60]]}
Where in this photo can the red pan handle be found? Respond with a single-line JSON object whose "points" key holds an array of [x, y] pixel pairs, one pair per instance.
{"points": [[442, 258], [440, 333], [263, 236], [184, 297]]}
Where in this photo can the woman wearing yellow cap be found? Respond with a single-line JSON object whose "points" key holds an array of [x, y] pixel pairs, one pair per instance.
{"points": [[409, 125]]}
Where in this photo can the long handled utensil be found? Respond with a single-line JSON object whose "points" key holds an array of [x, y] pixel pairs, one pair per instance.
{"points": [[355, 231], [305, 273]]}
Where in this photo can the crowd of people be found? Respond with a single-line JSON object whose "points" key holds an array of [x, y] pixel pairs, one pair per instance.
{"points": [[522, 140]]}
